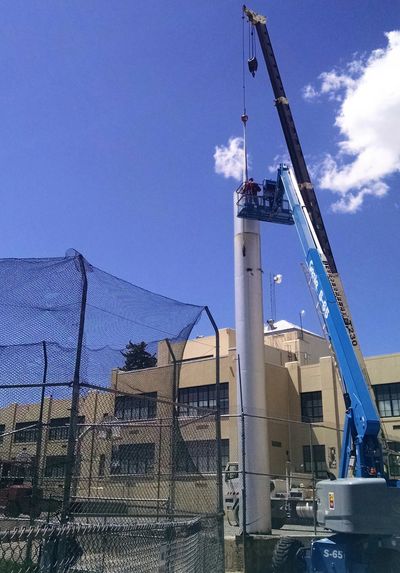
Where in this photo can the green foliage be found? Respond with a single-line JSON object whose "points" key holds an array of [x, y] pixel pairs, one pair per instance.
{"points": [[137, 357]]}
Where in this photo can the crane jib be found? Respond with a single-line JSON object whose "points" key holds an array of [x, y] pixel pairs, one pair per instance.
{"points": [[302, 176]]}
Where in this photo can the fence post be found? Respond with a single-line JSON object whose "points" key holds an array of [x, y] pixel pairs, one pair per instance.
{"points": [[243, 462], [92, 447], [173, 429], [73, 422], [313, 479], [35, 477], [159, 469], [220, 492]]}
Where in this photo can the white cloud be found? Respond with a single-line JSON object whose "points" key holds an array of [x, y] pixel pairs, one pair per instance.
{"points": [[368, 120], [309, 92], [332, 82], [351, 202], [229, 160]]}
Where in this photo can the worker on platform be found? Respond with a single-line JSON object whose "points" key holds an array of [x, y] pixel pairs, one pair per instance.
{"points": [[269, 194], [251, 190]]}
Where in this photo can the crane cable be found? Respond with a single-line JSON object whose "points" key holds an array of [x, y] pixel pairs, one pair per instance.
{"points": [[244, 116], [253, 49]]}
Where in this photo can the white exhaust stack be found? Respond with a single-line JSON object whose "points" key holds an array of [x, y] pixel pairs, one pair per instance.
{"points": [[250, 349]]}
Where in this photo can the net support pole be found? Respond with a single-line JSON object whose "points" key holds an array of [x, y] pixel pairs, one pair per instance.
{"points": [[173, 427], [73, 422], [218, 437], [38, 461]]}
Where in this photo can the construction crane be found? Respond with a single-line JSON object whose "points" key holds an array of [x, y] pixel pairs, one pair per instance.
{"points": [[301, 172], [362, 507]]}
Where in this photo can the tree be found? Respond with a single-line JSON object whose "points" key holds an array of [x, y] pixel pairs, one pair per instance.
{"points": [[137, 357]]}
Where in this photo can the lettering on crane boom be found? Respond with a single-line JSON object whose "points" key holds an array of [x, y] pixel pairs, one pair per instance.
{"points": [[342, 307], [320, 293]]}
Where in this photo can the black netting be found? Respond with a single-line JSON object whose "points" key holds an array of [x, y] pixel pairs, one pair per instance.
{"points": [[90, 429], [42, 300]]}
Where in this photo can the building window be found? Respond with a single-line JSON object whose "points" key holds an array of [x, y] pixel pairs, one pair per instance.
{"points": [[201, 456], [55, 466], [102, 465], [394, 459], [203, 397], [131, 459], [224, 453], [2, 430], [30, 434], [388, 399], [139, 407], [394, 446], [311, 406], [319, 460], [59, 428]]}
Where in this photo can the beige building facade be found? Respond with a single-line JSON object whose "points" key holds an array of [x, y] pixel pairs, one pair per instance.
{"points": [[304, 408]]}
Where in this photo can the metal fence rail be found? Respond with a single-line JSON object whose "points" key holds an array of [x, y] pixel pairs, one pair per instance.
{"points": [[302, 453]]}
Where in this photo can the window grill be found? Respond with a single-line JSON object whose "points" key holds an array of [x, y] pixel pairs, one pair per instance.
{"points": [[388, 399], [203, 397], [311, 406], [140, 407]]}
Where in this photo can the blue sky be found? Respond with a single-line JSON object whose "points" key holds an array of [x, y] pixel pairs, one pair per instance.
{"points": [[110, 114]]}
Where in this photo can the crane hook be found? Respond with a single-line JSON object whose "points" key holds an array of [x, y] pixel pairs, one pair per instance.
{"points": [[253, 65]]}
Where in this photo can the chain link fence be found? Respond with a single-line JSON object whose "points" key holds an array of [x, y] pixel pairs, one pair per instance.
{"points": [[101, 468], [300, 453], [161, 548]]}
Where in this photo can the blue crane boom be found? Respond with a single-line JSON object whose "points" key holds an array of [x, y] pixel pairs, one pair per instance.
{"points": [[366, 537], [362, 424]]}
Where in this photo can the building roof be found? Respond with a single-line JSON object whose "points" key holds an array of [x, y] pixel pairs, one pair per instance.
{"points": [[284, 326]]}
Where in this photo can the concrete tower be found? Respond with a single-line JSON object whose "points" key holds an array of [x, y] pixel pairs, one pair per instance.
{"points": [[250, 351]]}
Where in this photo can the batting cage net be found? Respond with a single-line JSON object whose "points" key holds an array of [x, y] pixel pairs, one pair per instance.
{"points": [[101, 468]]}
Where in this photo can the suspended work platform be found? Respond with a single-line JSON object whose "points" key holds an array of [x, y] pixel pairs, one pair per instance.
{"points": [[264, 202]]}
